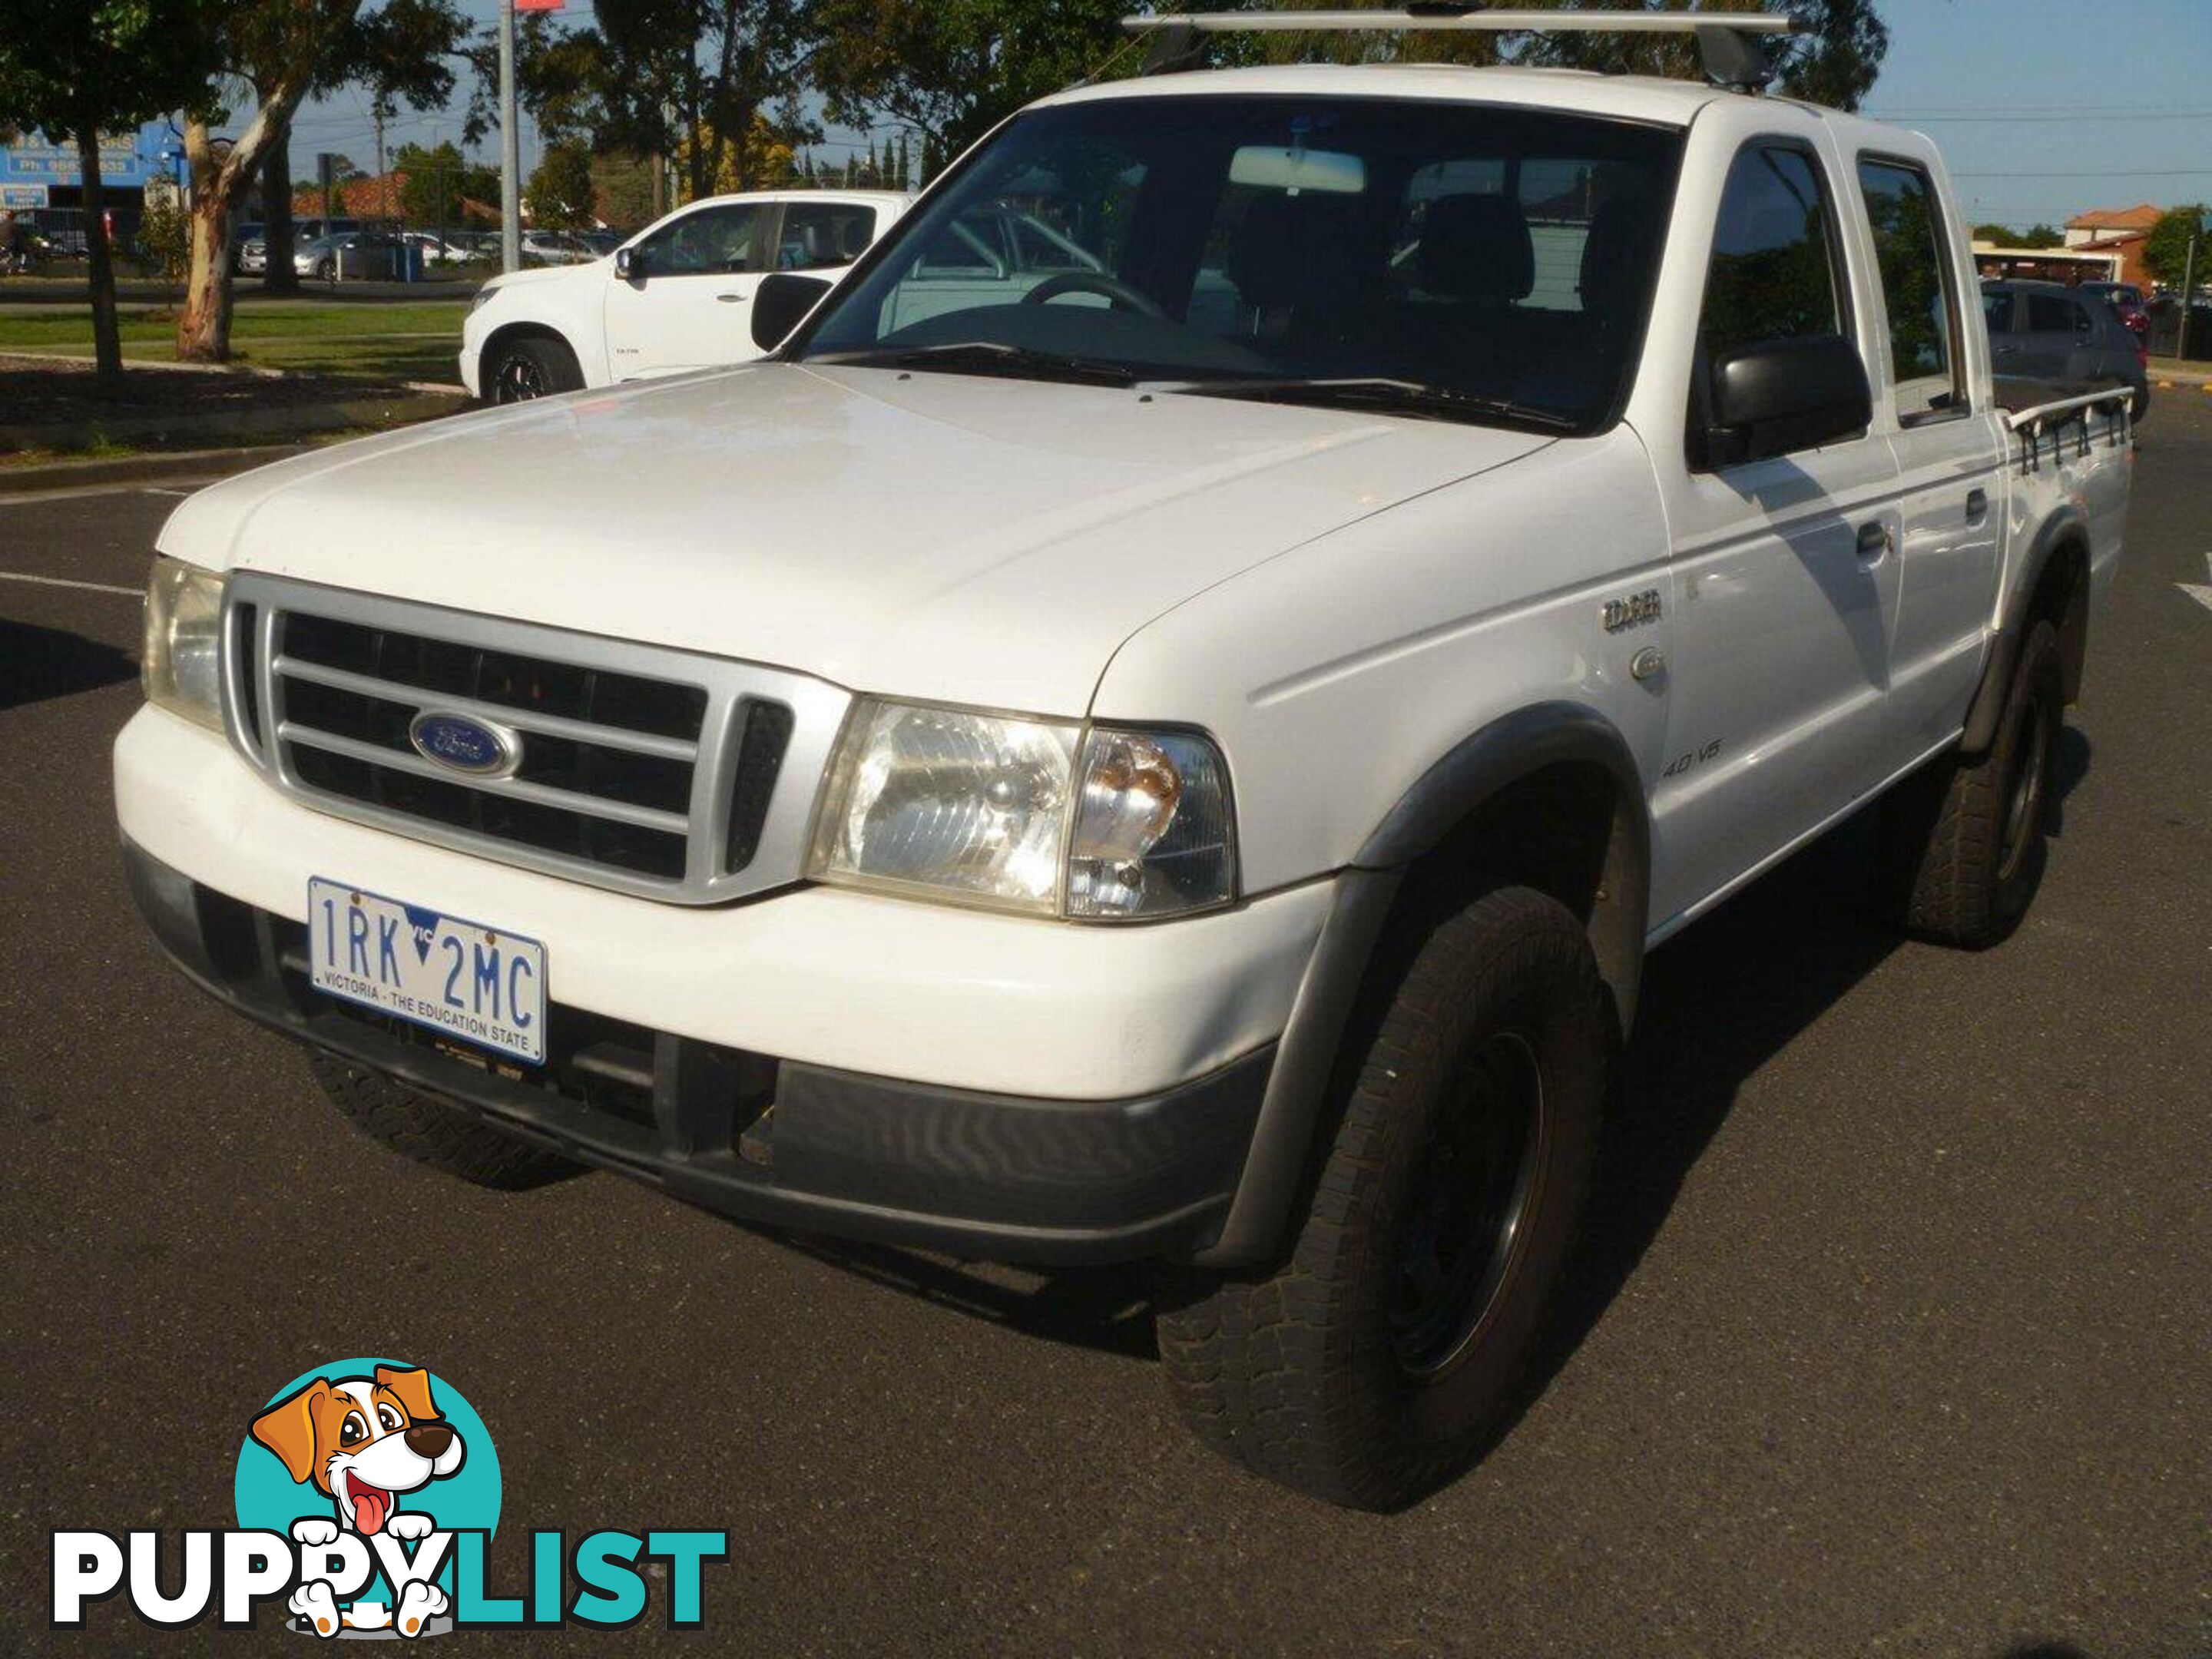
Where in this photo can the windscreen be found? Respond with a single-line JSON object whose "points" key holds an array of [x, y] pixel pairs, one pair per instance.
{"points": [[1503, 257]]}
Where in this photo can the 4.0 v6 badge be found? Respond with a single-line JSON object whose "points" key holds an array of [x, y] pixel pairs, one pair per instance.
{"points": [[1636, 608]]}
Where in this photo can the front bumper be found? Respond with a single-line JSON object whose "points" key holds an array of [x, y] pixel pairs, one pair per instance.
{"points": [[776, 1142], [1063, 1092]]}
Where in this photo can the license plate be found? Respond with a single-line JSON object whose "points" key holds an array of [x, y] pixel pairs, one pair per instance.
{"points": [[482, 984]]}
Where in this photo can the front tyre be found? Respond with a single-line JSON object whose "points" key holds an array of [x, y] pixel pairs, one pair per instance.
{"points": [[1375, 1360], [1964, 839], [430, 1132], [519, 370]]}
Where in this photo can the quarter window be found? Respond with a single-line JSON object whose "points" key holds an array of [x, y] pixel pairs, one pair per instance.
{"points": [[1916, 288], [1773, 270]]}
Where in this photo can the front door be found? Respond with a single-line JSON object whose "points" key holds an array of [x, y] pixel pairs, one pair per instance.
{"points": [[1784, 581], [688, 302]]}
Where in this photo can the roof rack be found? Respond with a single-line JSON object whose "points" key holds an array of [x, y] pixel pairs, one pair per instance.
{"points": [[1732, 44]]}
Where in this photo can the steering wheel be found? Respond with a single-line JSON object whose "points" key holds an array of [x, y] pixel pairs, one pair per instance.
{"points": [[1095, 282]]}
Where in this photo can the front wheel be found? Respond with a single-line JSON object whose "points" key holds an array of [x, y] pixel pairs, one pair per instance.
{"points": [[1375, 1360], [521, 370], [327, 271]]}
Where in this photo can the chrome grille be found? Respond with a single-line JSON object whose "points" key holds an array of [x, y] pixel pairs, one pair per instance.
{"points": [[663, 773]]}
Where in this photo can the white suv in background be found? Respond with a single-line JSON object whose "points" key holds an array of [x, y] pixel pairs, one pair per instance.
{"points": [[675, 296]]}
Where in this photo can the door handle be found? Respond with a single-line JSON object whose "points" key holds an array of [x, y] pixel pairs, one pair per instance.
{"points": [[1874, 540], [1977, 506], [730, 299]]}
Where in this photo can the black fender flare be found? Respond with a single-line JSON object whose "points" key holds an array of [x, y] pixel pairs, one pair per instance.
{"points": [[1474, 770], [2064, 527]]}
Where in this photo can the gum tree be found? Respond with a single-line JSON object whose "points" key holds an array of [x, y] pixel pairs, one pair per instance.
{"points": [[275, 54]]}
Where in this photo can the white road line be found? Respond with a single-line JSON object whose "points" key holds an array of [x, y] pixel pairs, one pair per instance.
{"points": [[2202, 595], [62, 581]]}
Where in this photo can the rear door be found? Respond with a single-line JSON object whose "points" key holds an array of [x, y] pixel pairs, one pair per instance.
{"points": [[2047, 331], [1948, 452], [688, 302], [1782, 571]]}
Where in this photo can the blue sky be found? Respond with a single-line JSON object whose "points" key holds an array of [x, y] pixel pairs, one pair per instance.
{"points": [[2043, 108]]}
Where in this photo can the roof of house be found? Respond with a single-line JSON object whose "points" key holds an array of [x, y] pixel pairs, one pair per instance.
{"points": [[2141, 216]]}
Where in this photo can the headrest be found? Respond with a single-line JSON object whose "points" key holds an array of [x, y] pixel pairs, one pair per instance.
{"points": [[1291, 250], [1613, 254], [1476, 248]]}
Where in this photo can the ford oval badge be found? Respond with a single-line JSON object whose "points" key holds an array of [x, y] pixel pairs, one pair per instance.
{"points": [[465, 743]]}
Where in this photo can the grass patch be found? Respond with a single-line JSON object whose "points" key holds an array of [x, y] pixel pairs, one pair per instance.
{"points": [[409, 340]]}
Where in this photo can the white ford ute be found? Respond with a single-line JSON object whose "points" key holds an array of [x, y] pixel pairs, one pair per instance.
{"points": [[674, 297], [1177, 756]]}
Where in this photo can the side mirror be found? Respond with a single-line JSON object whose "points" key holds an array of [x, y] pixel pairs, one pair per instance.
{"points": [[780, 301], [628, 268], [1781, 396]]}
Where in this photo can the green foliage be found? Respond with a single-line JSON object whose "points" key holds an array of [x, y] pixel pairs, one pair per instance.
{"points": [[951, 69], [2041, 236], [623, 189], [434, 182], [2001, 235], [560, 191], [689, 78], [73, 66], [165, 235], [2165, 254]]}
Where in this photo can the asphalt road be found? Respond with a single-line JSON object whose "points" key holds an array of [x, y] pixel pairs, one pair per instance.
{"points": [[1894, 1335]]}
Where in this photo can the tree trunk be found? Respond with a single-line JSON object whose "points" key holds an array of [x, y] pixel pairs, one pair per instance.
{"points": [[106, 332], [278, 277], [203, 325]]}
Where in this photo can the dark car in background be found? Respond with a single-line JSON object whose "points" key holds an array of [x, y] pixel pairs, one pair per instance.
{"points": [[2126, 299], [2065, 338]]}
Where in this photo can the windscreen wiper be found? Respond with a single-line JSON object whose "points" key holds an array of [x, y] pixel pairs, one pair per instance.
{"points": [[983, 357], [1414, 398]]}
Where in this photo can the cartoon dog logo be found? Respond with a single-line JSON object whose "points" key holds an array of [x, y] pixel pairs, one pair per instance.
{"points": [[363, 1442]]}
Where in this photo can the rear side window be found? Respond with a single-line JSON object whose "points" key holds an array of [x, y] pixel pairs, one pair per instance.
{"points": [[1996, 311], [824, 235], [1773, 271], [1916, 289], [2049, 314]]}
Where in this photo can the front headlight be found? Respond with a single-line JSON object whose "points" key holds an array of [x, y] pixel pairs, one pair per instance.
{"points": [[1037, 816], [183, 667]]}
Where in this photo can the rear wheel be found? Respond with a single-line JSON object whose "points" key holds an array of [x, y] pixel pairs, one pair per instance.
{"points": [[432, 1132], [1371, 1364], [520, 370], [1966, 839]]}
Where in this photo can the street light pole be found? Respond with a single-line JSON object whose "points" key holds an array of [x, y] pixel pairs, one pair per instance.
{"points": [[2188, 291], [510, 148]]}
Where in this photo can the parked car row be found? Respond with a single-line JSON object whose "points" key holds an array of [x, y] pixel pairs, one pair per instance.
{"points": [[249, 250]]}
